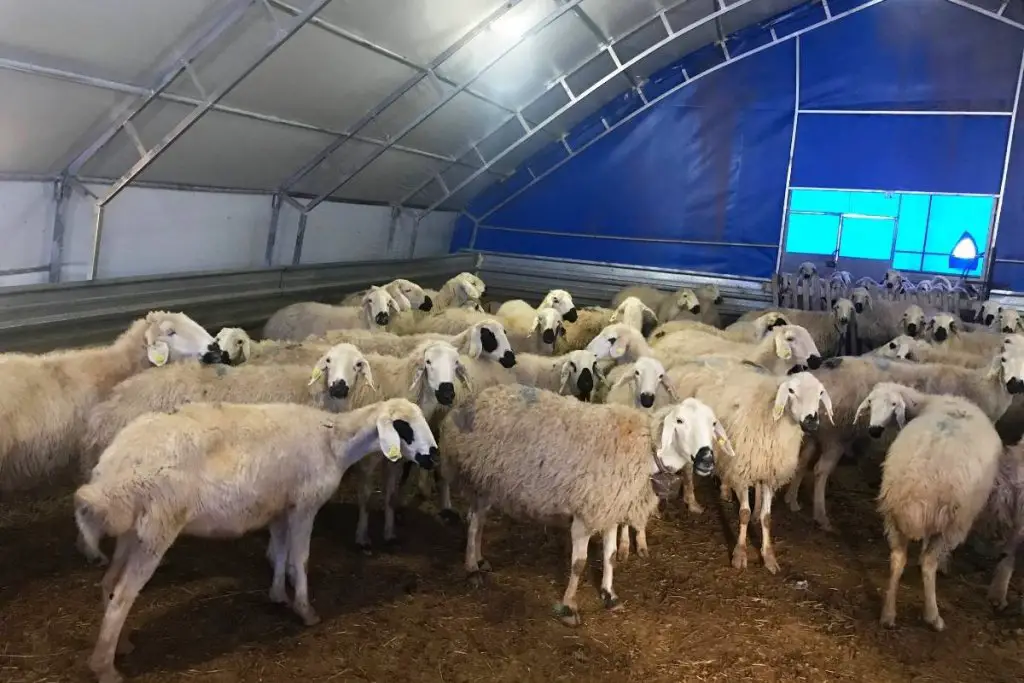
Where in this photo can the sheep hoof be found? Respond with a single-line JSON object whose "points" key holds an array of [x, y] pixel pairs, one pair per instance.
{"points": [[278, 596], [888, 620], [364, 548], [483, 565], [794, 505], [621, 555], [825, 524], [998, 600], [643, 553], [308, 616], [937, 623], [450, 516], [475, 579], [770, 563], [567, 615], [110, 675], [612, 603], [695, 508], [739, 557]]}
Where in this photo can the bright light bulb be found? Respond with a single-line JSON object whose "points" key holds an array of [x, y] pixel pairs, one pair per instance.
{"points": [[511, 26], [965, 248]]}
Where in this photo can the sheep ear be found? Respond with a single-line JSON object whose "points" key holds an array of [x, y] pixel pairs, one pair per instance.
{"points": [[567, 368], [826, 401], [476, 346], [318, 371], [418, 377], [368, 313], [623, 378], [469, 291], [781, 399], [368, 375], [463, 375], [860, 409], [668, 433], [158, 353], [782, 349], [399, 302], [534, 325], [669, 389], [901, 414], [723, 439], [618, 349], [388, 439], [614, 318], [995, 368]]}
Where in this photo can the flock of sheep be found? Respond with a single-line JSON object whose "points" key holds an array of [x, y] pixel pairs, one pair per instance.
{"points": [[585, 416]]}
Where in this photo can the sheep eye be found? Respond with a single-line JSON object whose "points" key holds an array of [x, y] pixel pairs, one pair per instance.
{"points": [[661, 376], [428, 361], [612, 340], [679, 421], [892, 345], [327, 361], [637, 373], [791, 390], [359, 365], [238, 343]]}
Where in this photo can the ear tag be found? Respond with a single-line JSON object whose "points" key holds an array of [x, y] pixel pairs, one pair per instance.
{"points": [[317, 374], [394, 454]]}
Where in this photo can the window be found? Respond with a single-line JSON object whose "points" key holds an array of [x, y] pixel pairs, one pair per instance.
{"points": [[912, 231]]}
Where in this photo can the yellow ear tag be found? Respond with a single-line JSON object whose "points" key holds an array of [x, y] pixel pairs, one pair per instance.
{"points": [[616, 351], [777, 411], [393, 454], [317, 374]]}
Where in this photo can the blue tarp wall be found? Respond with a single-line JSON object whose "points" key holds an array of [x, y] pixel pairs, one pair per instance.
{"points": [[697, 179]]}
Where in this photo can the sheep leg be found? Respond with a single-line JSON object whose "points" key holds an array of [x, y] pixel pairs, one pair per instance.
{"points": [[444, 493], [822, 470], [141, 561], [897, 562], [724, 491], [568, 612], [300, 528], [611, 601], [739, 553], [641, 541], [623, 552], [475, 563], [757, 501], [688, 494], [807, 452], [277, 551], [930, 554], [394, 474], [366, 472], [1000, 584], [765, 517]]}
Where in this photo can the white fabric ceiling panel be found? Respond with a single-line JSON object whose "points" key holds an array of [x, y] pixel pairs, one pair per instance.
{"points": [[41, 119], [525, 72], [753, 12], [316, 77], [617, 18], [547, 104], [455, 126], [425, 95], [389, 178], [460, 199], [221, 150], [111, 39], [705, 34], [430, 193], [502, 138], [574, 115], [338, 165], [419, 30]]}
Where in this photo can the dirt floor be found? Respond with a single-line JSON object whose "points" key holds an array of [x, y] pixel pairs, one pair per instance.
{"points": [[409, 615]]}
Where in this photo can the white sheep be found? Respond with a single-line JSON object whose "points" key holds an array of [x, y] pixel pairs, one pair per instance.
{"points": [[558, 299], [988, 314], [427, 376], [649, 296], [948, 331], [592, 320], [681, 305], [1010, 321], [486, 338], [408, 295], [930, 492], [751, 404], [739, 331], [442, 321], [829, 329], [594, 465], [220, 470], [231, 346], [535, 332], [297, 321], [922, 351], [781, 350], [46, 398], [576, 371], [457, 291], [849, 380]]}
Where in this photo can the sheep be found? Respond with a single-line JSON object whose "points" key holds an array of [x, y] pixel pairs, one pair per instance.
{"points": [[443, 321], [682, 305], [231, 346], [806, 270], [486, 338], [221, 470], [920, 351], [930, 492], [944, 329], [559, 299], [592, 320], [740, 331], [784, 348], [648, 296], [535, 333], [576, 371], [751, 404], [457, 291], [426, 376], [988, 314], [827, 328], [1003, 519], [850, 379], [408, 295], [1010, 321], [46, 398], [596, 468], [297, 321]]}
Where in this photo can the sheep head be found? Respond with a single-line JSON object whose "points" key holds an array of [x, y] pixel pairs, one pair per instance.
{"points": [[402, 431], [170, 337], [231, 346], [800, 394], [487, 338], [377, 305], [338, 371], [941, 327], [579, 371], [437, 367], [648, 374], [687, 433], [561, 301], [886, 402], [794, 344], [913, 320]]}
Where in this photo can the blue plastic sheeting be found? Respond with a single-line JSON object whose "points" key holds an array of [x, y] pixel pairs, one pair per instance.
{"points": [[959, 154], [462, 234], [1010, 241], [708, 164], [751, 261], [911, 55]]}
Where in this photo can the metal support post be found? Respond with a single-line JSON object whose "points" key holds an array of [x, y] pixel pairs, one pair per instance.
{"points": [[1006, 171], [275, 219], [61, 193], [97, 238], [300, 237]]}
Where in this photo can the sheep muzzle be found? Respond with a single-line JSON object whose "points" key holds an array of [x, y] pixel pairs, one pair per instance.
{"points": [[875, 431], [585, 383], [338, 389], [1015, 385], [695, 310], [445, 393], [548, 336], [508, 360], [912, 329], [704, 461], [646, 400], [941, 334], [809, 424], [571, 315], [428, 460], [381, 318], [859, 307], [427, 304], [214, 355], [814, 362]]}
